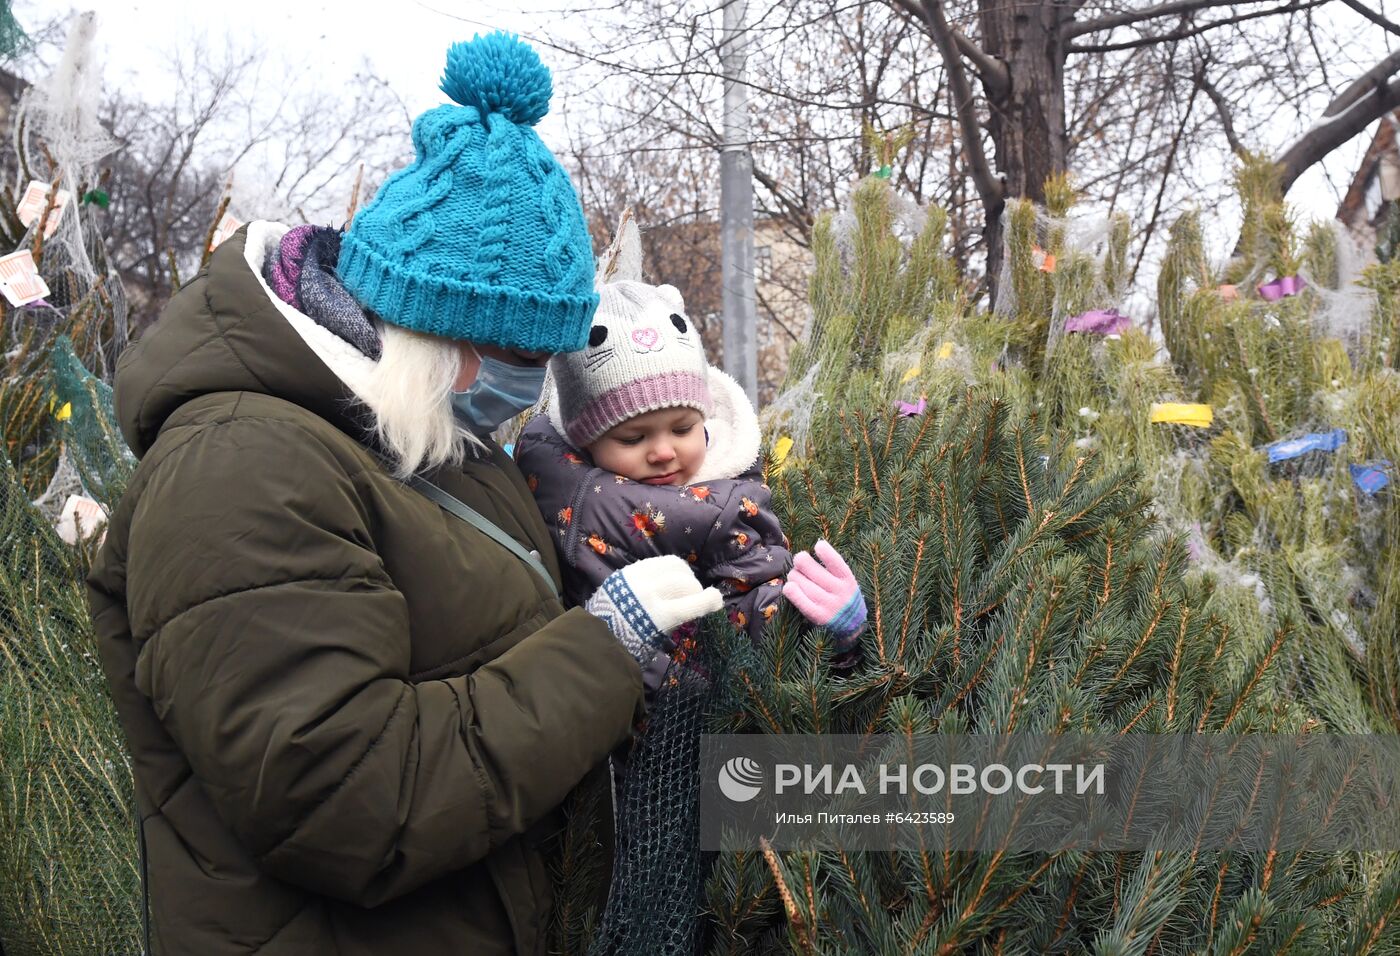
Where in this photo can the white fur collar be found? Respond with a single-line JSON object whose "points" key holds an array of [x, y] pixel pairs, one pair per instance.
{"points": [[732, 428], [349, 364]]}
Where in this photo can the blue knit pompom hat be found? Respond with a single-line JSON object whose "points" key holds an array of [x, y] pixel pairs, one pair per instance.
{"points": [[482, 237]]}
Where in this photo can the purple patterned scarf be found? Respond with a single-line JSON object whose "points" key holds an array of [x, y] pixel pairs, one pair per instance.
{"points": [[302, 274]]}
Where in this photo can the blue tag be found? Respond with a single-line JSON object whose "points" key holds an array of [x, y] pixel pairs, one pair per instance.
{"points": [[1317, 441], [1371, 476]]}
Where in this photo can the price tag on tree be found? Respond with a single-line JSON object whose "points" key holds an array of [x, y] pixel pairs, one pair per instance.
{"points": [[80, 519], [1177, 413], [35, 200], [228, 225], [20, 280]]}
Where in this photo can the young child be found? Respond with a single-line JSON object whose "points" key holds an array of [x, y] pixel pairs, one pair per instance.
{"points": [[646, 450]]}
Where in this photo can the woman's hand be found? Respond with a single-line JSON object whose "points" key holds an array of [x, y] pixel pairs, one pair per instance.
{"points": [[829, 596], [647, 600]]}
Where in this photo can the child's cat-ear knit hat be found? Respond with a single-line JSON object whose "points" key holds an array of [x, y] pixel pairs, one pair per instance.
{"points": [[643, 354], [482, 237]]}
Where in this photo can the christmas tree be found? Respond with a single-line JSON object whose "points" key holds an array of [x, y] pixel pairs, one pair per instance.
{"points": [[1002, 482], [69, 864]]}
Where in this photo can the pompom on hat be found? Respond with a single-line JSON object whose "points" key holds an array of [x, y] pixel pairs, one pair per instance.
{"points": [[482, 237]]}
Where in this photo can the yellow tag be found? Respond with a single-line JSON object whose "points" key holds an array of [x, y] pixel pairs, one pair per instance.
{"points": [[945, 351], [64, 413], [780, 449], [1175, 413], [910, 375]]}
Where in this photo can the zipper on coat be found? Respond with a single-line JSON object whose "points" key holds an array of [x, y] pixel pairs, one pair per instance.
{"points": [[571, 539]]}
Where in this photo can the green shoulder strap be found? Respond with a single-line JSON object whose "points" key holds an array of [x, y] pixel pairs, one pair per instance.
{"points": [[480, 522]]}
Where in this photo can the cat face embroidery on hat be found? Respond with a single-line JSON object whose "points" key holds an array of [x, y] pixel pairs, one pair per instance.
{"points": [[643, 319], [643, 353]]}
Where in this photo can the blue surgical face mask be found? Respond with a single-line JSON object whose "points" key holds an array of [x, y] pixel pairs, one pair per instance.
{"points": [[501, 391]]}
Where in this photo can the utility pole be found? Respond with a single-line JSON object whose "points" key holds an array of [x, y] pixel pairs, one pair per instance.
{"points": [[736, 207]]}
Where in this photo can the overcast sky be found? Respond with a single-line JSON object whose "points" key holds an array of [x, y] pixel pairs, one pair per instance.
{"points": [[405, 45]]}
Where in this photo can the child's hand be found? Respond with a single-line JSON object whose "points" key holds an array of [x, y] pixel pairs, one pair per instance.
{"points": [[829, 596]]}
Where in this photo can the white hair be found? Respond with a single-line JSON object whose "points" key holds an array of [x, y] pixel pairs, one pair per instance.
{"points": [[409, 393]]}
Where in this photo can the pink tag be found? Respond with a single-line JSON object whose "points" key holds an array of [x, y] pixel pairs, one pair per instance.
{"points": [[1102, 321], [228, 225], [35, 200], [20, 280], [1281, 288], [80, 519]]}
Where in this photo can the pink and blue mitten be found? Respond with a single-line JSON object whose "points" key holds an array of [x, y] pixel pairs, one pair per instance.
{"points": [[829, 596]]}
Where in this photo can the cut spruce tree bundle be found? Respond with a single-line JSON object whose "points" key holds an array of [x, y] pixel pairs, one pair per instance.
{"points": [[69, 883], [69, 879], [1263, 431], [1099, 537], [1009, 594], [68, 857]]}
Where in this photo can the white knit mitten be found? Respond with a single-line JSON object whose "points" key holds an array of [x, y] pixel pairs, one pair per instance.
{"points": [[646, 600]]}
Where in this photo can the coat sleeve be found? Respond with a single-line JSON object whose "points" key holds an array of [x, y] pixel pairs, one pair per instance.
{"points": [[277, 654], [746, 557]]}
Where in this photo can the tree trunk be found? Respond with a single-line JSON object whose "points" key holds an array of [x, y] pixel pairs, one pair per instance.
{"points": [[1027, 124]]}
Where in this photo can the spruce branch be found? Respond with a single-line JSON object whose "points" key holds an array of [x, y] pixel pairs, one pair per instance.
{"points": [[795, 921]]}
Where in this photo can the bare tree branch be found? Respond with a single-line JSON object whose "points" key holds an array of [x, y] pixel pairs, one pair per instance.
{"points": [[1078, 28], [795, 212], [1222, 108], [989, 188], [1171, 156], [992, 72], [1194, 29], [1373, 16], [1374, 94]]}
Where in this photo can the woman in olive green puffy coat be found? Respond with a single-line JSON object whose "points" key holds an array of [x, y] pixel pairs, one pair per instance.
{"points": [[353, 716]]}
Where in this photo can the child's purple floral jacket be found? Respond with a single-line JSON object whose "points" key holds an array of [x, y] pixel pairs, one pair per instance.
{"points": [[721, 522]]}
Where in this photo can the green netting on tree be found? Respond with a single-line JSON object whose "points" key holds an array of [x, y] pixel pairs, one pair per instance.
{"points": [[13, 39], [58, 138], [91, 439], [655, 897], [68, 857]]}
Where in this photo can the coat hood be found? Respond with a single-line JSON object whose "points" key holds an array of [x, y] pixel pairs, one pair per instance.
{"points": [[224, 331], [734, 435]]}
